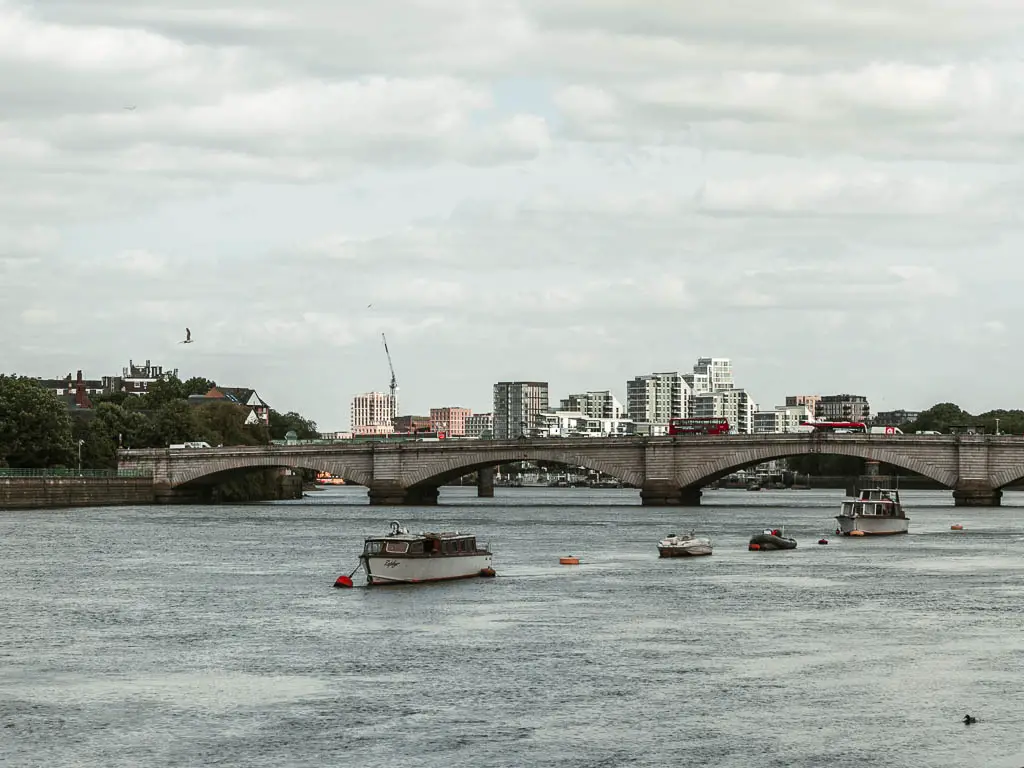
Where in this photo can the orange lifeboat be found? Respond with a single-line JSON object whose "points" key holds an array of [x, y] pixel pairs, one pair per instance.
{"points": [[570, 560], [956, 527]]}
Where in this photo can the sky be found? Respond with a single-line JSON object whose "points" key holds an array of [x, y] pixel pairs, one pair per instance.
{"points": [[574, 191]]}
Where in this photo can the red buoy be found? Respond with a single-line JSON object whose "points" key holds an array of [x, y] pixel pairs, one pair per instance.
{"points": [[343, 582], [823, 541], [754, 547]]}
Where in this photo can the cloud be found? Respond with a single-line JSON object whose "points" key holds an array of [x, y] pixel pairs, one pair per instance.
{"points": [[577, 191]]}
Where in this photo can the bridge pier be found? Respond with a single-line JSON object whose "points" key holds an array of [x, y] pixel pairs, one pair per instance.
{"points": [[667, 493], [976, 493], [391, 494], [485, 483]]}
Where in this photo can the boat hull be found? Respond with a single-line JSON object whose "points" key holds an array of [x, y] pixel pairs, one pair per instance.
{"points": [[391, 569], [697, 550], [769, 541], [872, 525]]}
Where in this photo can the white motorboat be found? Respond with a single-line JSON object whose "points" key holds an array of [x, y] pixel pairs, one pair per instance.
{"points": [[876, 512], [686, 545], [401, 557]]}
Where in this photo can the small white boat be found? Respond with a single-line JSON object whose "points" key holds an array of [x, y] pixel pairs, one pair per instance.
{"points": [[687, 545], [401, 557], [876, 512]]}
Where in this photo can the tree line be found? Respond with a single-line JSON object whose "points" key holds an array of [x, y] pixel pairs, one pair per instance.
{"points": [[38, 431]]}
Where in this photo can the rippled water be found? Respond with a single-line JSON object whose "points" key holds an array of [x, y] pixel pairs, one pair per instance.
{"points": [[200, 636]]}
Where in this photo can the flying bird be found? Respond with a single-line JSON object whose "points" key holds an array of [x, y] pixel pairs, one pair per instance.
{"points": [[131, 108], [188, 337], [369, 306]]}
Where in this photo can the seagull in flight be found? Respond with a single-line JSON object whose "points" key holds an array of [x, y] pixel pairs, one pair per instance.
{"points": [[188, 337], [131, 108]]}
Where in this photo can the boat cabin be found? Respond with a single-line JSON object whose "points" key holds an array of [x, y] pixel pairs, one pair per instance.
{"points": [[427, 544], [874, 502]]}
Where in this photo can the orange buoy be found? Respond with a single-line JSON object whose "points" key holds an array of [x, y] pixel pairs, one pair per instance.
{"points": [[956, 527], [856, 533], [343, 582], [754, 547], [488, 573], [570, 560]]}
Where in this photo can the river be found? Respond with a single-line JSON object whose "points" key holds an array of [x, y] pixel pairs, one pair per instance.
{"points": [[211, 636]]}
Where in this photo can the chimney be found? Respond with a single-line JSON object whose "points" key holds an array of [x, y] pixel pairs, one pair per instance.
{"points": [[81, 399]]}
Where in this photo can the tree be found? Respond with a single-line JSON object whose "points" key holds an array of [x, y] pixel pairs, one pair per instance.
{"points": [[35, 428], [223, 423], [197, 385], [176, 422], [282, 424]]}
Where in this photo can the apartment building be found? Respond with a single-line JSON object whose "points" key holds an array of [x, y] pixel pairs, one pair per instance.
{"points": [[735, 405], [518, 406], [373, 413], [657, 397]]}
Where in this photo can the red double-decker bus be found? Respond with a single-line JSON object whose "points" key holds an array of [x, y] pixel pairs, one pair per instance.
{"points": [[698, 425]]}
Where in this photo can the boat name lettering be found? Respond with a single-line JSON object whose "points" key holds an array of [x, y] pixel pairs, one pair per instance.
{"points": [[390, 563]]}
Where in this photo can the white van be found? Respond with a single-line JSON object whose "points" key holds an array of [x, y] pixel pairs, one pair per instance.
{"points": [[885, 430], [179, 446]]}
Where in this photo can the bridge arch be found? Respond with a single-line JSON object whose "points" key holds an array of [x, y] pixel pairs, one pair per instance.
{"points": [[709, 471], [225, 466], [457, 466], [1007, 476]]}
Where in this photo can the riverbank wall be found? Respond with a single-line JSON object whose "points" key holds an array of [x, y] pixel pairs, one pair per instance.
{"points": [[58, 492]]}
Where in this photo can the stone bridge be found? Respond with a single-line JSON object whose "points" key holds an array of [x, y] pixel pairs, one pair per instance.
{"points": [[668, 470]]}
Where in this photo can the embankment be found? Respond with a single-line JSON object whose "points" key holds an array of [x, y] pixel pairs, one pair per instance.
{"points": [[56, 492]]}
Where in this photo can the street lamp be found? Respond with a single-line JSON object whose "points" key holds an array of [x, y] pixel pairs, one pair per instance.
{"points": [[80, 444], [997, 427]]}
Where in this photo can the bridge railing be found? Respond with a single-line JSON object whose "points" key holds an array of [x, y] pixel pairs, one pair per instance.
{"points": [[62, 472]]}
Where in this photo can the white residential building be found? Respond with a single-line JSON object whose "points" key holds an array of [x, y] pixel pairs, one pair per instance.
{"points": [[575, 424], [710, 374], [373, 413], [597, 405], [479, 425], [658, 397], [734, 405], [784, 418]]}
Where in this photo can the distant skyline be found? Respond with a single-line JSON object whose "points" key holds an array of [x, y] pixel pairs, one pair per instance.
{"points": [[828, 194]]}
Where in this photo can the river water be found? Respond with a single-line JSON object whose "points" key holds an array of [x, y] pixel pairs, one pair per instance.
{"points": [[211, 636]]}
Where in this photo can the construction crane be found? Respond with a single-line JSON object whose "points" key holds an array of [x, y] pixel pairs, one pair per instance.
{"points": [[394, 383]]}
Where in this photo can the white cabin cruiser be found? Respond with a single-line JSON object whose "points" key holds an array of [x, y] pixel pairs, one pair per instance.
{"points": [[401, 557], [876, 512]]}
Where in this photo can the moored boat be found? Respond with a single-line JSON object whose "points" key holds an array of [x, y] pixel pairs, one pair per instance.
{"points": [[686, 545], [876, 512], [771, 538], [401, 557]]}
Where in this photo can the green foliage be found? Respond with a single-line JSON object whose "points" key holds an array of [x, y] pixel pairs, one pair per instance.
{"points": [[282, 423], [940, 417], [35, 428]]}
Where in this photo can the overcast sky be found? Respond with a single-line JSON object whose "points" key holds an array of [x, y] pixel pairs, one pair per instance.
{"points": [[576, 191]]}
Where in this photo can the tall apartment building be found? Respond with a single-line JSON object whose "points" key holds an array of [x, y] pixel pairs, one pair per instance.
{"points": [[735, 405], [657, 397], [480, 425], [450, 420], [784, 418], [710, 374], [594, 405], [843, 408], [373, 413], [518, 406]]}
